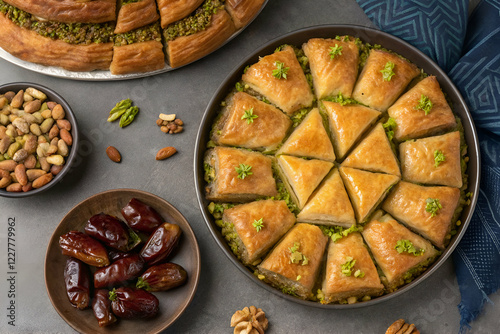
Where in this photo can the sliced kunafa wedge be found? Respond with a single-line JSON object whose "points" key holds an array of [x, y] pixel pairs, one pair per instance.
{"points": [[383, 78], [374, 154], [258, 226], [237, 175], [422, 111], [432, 160], [133, 15], [293, 265], [250, 123], [309, 139], [426, 210], [243, 11], [183, 49], [175, 10], [366, 190], [334, 65], [279, 77], [400, 253], [302, 176], [350, 272], [329, 204], [348, 123]]}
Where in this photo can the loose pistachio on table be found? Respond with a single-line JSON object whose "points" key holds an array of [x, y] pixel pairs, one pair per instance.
{"points": [[125, 111]]}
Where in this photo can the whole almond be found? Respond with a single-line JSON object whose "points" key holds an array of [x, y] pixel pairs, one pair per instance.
{"points": [[113, 154], [42, 180], [165, 153]]}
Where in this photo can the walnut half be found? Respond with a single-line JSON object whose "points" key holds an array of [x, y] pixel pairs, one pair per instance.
{"points": [[249, 321]]}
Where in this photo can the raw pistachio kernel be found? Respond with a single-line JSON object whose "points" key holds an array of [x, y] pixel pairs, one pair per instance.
{"points": [[387, 72], [258, 224], [433, 206], [335, 50], [341, 99], [407, 246], [249, 116], [280, 71], [389, 127], [424, 104], [243, 171], [346, 267]]}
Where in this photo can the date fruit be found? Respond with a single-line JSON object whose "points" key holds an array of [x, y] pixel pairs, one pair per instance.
{"points": [[83, 247], [77, 279], [162, 277], [119, 272], [133, 303], [161, 243], [112, 232], [141, 217], [101, 305]]}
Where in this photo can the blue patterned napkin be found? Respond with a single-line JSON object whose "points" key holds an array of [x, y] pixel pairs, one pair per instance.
{"points": [[470, 52]]}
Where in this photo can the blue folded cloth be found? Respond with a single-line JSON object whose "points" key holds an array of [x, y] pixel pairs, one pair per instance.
{"points": [[469, 50]]}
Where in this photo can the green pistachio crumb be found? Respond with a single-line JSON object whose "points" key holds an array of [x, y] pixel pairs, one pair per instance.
{"points": [[335, 51], [243, 171], [280, 71], [438, 158], [249, 116], [433, 206], [258, 224], [424, 104], [407, 246], [346, 268], [387, 72]]}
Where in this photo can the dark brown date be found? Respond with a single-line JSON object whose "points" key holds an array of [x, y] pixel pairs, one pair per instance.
{"points": [[101, 305], [132, 303], [162, 277], [112, 232], [119, 272], [77, 279], [161, 243], [83, 247], [141, 217], [114, 255]]}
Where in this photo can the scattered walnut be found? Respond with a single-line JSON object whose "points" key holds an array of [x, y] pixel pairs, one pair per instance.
{"points": [[400, 326], [170, 124], [249, 321]]}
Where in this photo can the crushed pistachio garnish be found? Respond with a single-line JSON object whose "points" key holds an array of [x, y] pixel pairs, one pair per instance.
{"points": [[239, 87], [249, 116], [299, 277], [334, 51], [258, 224], [438, 158], [407, 246], [280, 71], [433, 206], [389, 127], [296, 256], [347, 266], [424, 104], [341, 99], [243, 171], [337, 232], [359, 274], [387, 72]]}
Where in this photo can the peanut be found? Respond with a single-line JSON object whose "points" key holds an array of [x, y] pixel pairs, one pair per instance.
{"points": [[42, 180]]}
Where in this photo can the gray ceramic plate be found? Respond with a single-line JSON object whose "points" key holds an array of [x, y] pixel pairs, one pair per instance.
{"points": [[172, 302], [371, 36]]}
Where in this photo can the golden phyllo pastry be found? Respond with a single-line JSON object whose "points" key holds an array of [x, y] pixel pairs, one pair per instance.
{"points": [[426, 210], [302, 176], [238, 175], [334, 65], [250, 123], [350, 271], [348, 123], [309, 139], [432, 160], [374, 154], [329, 204], [136, 14], [243, 11], [138, 57], [400, 253], [383, 78], [258, 226], [279, 78], [422, 111], [293, 265], [366, 190], [174, 10]]}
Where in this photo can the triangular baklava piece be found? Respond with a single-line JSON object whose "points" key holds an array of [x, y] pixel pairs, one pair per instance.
{"points": [[250, 123], [383, 78], [400, 253], [309, 139], [258, 226], [422, 111], [329, 204], [334, 65], [302, 176], [350, 271], [432, 160], [347, 124], [426, 210], [366, 189], [280, 78], [374, 154], [293, 265]]}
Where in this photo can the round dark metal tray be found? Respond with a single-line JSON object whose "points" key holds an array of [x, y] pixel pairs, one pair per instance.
{"points": [[367, 35]]}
